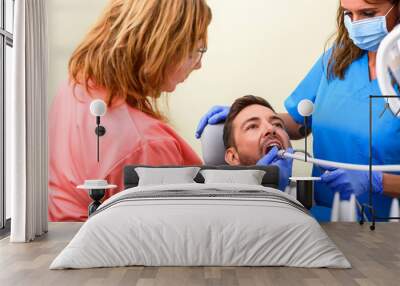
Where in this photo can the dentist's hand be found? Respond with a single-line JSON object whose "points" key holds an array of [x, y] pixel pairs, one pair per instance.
{"points": [[347, 182], [284, 164], [215, 115]]}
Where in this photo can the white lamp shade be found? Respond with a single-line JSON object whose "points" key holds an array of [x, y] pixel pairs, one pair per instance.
{"points": [[305, 107], [98, 107]]}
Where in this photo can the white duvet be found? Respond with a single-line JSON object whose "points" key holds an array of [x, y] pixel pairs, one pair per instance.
{"points": [[222, 225]]}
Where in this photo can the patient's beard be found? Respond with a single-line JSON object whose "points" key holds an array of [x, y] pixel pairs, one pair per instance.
{"points": [[246, 160]]}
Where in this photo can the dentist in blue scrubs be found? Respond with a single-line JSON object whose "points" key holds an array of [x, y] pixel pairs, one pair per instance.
{"points": [[339, 84]]}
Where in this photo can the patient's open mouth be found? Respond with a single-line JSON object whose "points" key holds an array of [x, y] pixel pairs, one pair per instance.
{"points": [[270, 145]]}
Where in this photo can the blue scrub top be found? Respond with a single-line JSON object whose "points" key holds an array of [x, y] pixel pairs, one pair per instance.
{"points": [[340, 123]]}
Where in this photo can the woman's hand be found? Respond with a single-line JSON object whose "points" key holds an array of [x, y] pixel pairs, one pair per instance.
{"points": [[215, 115], [284, 164], [347, 182]]}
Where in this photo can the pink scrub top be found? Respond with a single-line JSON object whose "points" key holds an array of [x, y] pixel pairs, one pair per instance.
{"points": [[132, 137]]}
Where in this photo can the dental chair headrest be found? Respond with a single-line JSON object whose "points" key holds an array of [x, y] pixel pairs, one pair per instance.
{"points": [[212, 145]]}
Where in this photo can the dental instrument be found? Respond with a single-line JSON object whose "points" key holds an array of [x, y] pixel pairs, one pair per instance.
{"points": [[326, 163]]}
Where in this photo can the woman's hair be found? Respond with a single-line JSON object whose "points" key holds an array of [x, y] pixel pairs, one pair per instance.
{"points": [[344, 51], [130, 48]]}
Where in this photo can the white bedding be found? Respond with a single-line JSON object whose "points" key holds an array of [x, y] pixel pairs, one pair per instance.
{"points": [[221, 226]]}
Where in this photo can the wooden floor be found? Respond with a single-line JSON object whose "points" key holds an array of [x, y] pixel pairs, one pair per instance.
{"points": [[375, 257]]}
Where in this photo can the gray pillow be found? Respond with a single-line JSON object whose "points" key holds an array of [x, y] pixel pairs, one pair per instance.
{"points": [[162, 176], [248, 177]]}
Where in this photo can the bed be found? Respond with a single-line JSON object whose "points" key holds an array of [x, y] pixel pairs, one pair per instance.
{"points": [[201, 223]]}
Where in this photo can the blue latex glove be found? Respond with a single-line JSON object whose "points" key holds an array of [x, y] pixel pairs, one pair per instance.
{"points": [[284, 164], [347, 182], [215, 115]]}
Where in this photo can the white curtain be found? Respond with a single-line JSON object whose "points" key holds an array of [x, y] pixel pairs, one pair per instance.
{"points": [[26, 123]]}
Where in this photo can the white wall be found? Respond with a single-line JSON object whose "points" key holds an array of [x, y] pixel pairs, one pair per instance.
{"points": [[260, 47]]}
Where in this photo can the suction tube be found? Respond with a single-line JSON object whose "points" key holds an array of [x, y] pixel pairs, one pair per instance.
{"points": [[325, 163]]}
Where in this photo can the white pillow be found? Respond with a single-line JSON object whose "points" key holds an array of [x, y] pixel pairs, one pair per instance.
{"points": [[248, 177], [162, 176]]}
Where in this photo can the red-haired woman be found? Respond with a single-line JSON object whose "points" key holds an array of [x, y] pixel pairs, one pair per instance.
{"points": [[137, 50]]}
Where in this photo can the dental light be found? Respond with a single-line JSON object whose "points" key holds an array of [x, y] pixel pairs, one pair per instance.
{"points": [[388, 68]]}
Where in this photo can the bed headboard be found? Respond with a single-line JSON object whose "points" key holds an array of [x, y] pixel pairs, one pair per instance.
{"points": [[270, 179]]}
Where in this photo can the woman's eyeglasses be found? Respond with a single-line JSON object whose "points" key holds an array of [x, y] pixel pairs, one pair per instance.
{"points": [[197, 56]]}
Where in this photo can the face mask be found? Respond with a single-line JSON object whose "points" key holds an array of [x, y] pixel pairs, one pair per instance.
{"points": [[367, 34]]}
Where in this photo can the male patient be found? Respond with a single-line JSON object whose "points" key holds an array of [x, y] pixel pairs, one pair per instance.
{"points": [[253, 134]]}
